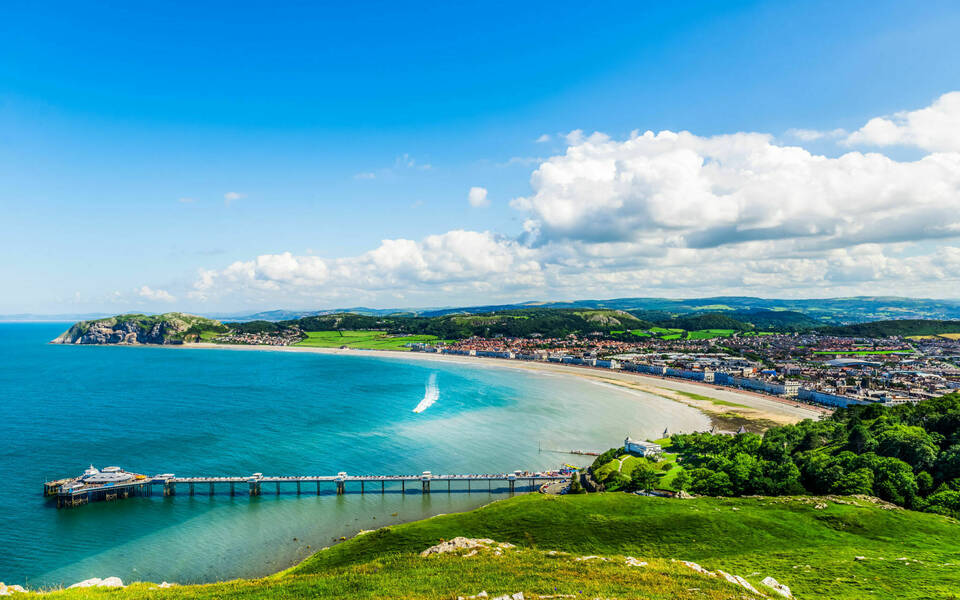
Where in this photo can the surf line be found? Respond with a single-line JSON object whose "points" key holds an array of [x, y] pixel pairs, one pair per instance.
{"points": [[430, 395]]}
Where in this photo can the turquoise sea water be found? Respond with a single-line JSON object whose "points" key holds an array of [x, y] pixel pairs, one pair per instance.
{"points": [[223, 412]]}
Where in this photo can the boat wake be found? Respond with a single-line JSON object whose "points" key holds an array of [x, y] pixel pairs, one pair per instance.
{"points": [[430, 395]]}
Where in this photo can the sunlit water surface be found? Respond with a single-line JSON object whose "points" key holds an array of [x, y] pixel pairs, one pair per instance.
{"points": [[222, 412]]}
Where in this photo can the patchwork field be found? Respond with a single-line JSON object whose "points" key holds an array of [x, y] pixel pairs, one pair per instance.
{"points": [[698, 334], [362, 340]]}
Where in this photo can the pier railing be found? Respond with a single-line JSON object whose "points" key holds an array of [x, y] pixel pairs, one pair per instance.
{"points": [[73, 492]]}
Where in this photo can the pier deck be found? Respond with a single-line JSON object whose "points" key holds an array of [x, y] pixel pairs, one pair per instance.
{"points": [[75, 492]]}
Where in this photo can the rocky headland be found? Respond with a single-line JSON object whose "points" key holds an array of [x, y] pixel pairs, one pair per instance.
{"points": [[165, 329]]}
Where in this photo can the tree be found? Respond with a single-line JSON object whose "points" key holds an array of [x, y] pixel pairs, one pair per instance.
{"points": [[681, 481], [860, 440], [710, 483], [643, 478], [857, 482], [894, 481], [946, 502], [948, 463], [924, 483], [912, 445], [575, 487]]}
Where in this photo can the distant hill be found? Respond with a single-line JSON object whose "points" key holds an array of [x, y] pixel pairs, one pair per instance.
{"points": [[706, 321], [168, 328], [776, 320], [904, 327], [836, 311], [509, 323]]}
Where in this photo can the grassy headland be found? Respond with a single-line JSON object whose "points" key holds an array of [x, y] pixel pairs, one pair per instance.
{"points": [[836, 548]]}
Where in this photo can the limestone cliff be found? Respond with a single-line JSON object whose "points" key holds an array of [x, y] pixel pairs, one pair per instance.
{"points": [[168, 328]]}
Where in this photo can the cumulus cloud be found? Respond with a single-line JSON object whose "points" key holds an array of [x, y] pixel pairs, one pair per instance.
{"points": [[672, 189], [664, 213], [478, 197], [935, 128], [461, 260], [155, 295]]}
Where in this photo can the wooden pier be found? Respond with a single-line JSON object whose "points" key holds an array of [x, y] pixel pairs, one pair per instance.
{"points": [[74, 492]]}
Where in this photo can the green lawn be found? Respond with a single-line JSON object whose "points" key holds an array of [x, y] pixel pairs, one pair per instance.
{"points": [[664, 330], [704, 334], [809, 544], [863, 352], [365, 340], [702, 398]]}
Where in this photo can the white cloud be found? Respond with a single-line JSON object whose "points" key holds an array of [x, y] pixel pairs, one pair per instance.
{"points": [[809, 135], [405, 161], [457, 260], [681, 190], [230, 197], [935, 128], [478, 197], [186, 200], [155, 295], [543, 138], [660, 213], [367, 175]]}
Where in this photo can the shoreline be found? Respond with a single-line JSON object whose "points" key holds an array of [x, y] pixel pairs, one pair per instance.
{"points": [[726, 407]]}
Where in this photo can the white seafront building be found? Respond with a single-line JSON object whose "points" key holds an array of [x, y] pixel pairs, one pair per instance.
{"points": [[646, 449]]}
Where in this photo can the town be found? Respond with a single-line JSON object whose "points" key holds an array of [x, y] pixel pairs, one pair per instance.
{"points": [[816, 369]]}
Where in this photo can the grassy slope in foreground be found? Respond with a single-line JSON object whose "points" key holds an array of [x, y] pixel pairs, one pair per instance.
{"points": [[812, 550]]}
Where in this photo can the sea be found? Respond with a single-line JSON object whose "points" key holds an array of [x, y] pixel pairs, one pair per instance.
{"points": [[196, 412]]}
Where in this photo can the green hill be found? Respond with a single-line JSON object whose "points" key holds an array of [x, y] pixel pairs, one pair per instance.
{"points": [[509, 323], [830, 548], [902, 327], [168, 328]]}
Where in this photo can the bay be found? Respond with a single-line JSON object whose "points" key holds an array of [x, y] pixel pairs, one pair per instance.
{"points": [[221, 412]]}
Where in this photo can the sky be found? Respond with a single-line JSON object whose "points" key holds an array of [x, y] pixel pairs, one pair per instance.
{"points": [[216, 157]]}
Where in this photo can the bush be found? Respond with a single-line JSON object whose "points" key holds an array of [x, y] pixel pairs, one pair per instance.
{"points": [[575, 487]]}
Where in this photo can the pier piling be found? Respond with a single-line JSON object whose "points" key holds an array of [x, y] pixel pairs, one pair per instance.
{"points": [[75, 492]]}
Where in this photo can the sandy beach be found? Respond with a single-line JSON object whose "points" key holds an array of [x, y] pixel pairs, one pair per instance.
{"points": [[728, 408]]}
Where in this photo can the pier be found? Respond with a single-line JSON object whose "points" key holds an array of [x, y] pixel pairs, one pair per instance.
{"points": [[114, 484]]}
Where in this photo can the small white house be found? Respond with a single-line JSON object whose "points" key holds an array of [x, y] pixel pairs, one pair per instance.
{"points": [[641, 448]]}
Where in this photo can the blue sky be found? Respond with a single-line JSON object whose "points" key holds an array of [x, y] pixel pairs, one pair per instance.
{"points": [[152, 156]]}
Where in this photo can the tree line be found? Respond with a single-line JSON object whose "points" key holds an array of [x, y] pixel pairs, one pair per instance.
{"points": [[908, 455]]}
